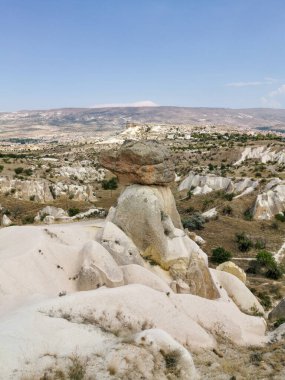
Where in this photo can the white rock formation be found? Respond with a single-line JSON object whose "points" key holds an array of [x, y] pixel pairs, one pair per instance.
{"points": [[98, 268], [232, 268], [55, 212], [263, 154], [159, 341], [43, 191], [6, 221], [204, 184], [37, 263], [210, 214], [270, 202], [83, 173], [238, 292], [38, 189], [120, 245], [136, 274], [148, 216]]}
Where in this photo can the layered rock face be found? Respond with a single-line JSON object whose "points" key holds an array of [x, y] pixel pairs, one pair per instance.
{"points": [[148, 216], [143, 162]]}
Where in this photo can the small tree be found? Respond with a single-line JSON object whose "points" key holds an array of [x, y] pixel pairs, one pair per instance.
{"points": [[220, 255], [110, 184]]}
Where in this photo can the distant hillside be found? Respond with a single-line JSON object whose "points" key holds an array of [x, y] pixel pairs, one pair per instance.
{"points": [[83, 120]]}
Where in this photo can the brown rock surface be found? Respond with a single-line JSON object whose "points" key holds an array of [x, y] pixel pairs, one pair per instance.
{"points": [[141, 162]]}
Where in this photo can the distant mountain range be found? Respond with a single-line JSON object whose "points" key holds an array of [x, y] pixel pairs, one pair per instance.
{"points": [[86, 120]]}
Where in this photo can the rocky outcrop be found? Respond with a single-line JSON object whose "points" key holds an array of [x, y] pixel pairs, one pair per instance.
{"points": [[210, 214], [204, 184], [278, 312], [238, 292], [146, 163], [271, 201], [51, 211], [98, 268], [233, 269], [6, 221], [262, 153], [43, 191], [160, 342], [120, 246], [38, 190], [83, 173]]}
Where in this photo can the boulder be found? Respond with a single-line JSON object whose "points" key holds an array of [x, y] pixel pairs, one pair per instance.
{"points": [[278, 312], [49, 219], [210, 214], [54, 212], [159, 341], [238, 292], [142, 162], [234, 269], [6, 221], [98, 268], [136, 274]]}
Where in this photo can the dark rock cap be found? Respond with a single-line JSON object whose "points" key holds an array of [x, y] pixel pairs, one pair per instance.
{"points": [[142, 162]]}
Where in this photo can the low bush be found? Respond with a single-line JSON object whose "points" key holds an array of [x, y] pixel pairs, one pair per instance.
{"points": [[265, 261], [194, 222], [244, 243], [73, 211], [280, 217], [220, 255]]}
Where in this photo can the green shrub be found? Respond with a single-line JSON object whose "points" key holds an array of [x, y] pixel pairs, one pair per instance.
{"points": [[248, 214], [266, 261], [194, 222], [1, 168], [73, 211], [280, 217], [32, 197], [260, 243], [28, 219], [220, 255], [110, 184], [18, 170], [279, 322], [28, 172], [229, 196], [227, 210], [244, 243]]}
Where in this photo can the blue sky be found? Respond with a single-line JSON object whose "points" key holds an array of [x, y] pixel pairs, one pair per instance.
{"points": [[83, 53]]}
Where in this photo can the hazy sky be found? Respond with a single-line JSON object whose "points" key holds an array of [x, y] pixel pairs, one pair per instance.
{"points": [[82, 53]]}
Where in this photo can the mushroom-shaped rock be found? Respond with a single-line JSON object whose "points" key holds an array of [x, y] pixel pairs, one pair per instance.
{"points": [[6, 221], [232, 268], [98, 268], [120, 245], [278, 312], [142, 162], [136, 274], [159, 341]]}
